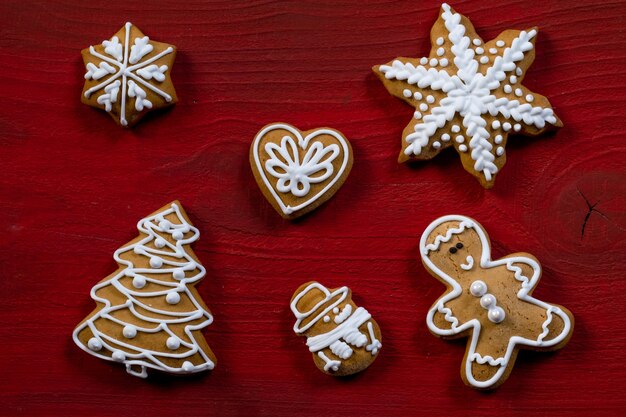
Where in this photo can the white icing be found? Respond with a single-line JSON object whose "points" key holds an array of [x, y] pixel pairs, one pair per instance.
{"points": [[460, 139], [500, 43], [469, 93], [498, 139], [443, 62], [527, 285], [417, 115], [469, 263], [479, 51], [493, 51], [129, 73], [345, 313], [297, 178], [463, 148], [500, 151], [436, 145], [440, 51], [375, 344], [407, 93], [430, 99], [417, 95], [329, 364], [440, 41], [178, 259]]}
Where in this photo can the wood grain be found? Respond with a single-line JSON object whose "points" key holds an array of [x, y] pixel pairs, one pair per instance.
{"points": [[73, 185]]}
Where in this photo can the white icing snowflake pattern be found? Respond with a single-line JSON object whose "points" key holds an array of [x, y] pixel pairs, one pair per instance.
{"points": [[128, 73], [475, 85]]}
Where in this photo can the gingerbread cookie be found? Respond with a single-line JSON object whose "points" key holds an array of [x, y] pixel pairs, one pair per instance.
{"points": [[129, 75], [343, 338], [149, 312], [489, 301], [298, 171], [468, 94]]}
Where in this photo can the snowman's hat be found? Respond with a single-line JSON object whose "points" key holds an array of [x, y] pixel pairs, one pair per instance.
{"points": [[322, 301]]}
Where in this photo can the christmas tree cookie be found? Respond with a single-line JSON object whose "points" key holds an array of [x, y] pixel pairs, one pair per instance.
{"points": [[129, 75], [489, 301], [149, 313], [468, 94], [343, 338]]}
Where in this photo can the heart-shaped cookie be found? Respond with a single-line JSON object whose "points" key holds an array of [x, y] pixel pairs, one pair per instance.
{"points": [[298, 171]]}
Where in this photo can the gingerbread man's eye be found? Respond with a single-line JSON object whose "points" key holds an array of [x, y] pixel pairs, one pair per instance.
{"points": [[459, 245], [452, 249]]}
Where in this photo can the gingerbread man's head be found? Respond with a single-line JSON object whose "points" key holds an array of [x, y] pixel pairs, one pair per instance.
{"points": [[453, 243], [318, 310]]}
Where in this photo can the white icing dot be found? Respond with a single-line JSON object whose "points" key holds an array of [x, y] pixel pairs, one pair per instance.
{"points": [[495, 124], [423, 107], [517, 127], [436, 145], [484, 60], [519, 92], [164, 225], [456, 129], [513, 79], [407, 93], [443, 62], [159, 242], [440, 41], [478, 288], [500, 43], [178, 235], [336, 310], [506, 126], [424, 61], [94, 344], [460, 139], [417, 95], [417, 115], [440, 52], [172, 297], [508, 89], [530, 98], [172, 343], [137, 250], [479, 51], [498, 139], [434, 62], [487, 300], [129, 331], [496, 314], [118, 356], [139, 282], [493, 51], [445, 137], [430, 99], [187, 366], [156, 262], [519, 71], [500, 151], [462, 148], [178, 274], [326, 319], [476, 42]]}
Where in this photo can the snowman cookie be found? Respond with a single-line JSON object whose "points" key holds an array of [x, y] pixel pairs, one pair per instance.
{"points": [[343, 338], [489, 301]]}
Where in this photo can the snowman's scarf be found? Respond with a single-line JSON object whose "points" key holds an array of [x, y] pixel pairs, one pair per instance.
{"points": [[351, 325]]}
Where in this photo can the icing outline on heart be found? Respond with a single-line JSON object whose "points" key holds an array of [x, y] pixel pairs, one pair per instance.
{"points": [[302, 143]]}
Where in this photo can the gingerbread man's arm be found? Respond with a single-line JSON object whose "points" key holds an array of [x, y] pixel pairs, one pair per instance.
{"points": [[525, 269], [441, 319]]}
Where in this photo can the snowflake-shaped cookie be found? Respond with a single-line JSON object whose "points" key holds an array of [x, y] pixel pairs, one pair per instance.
{"points": [[468, 94], [128, 75]]}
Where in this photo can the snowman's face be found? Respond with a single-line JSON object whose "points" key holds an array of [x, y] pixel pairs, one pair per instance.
{"points": [[462, 253], [338, 314]]}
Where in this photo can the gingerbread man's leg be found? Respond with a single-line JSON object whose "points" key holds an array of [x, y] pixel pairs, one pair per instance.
{"points": [[485, 362], [375, 344], [329, 363]]}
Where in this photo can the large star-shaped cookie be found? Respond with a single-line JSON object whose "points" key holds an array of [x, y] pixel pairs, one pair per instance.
{"points": [[129, 75], [468, 94]]}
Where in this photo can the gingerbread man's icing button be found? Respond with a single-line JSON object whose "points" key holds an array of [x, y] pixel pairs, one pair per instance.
{"points": [[343, 338], [488, 300]]}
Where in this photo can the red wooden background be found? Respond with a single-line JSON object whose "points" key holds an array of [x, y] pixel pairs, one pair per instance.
{"points": [[73, 185]]}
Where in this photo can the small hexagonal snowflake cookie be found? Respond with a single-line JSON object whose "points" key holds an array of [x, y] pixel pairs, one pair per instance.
{"points": [[129, 75]]}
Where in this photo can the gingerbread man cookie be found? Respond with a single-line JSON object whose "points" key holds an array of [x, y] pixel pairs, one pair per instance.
{"points": [[129, 75], [343, 338], [149, 313], [489, 301], [468, 94]]}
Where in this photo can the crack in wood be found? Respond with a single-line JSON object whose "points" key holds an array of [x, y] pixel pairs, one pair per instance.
{"points": [[590, 209]]}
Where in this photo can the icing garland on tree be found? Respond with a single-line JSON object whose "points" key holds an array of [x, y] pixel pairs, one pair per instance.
{"points": [[149, 313], [468, 95]]}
